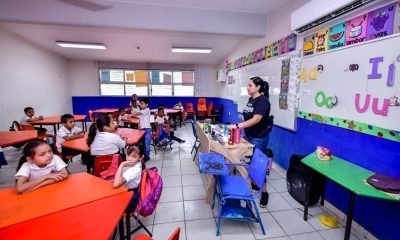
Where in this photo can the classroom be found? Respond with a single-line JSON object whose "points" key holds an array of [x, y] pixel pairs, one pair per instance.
{"points": [[259, 119]]}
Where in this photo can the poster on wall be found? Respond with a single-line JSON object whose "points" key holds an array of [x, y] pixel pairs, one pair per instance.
{"points": [[284, 84], [275, 48], [337, 35], [291, 41], [268, 51], [116, 75], [356, 30], [308, 45], [396, 25], [380, 22], [283, 47], [104, 75], [321, 41]]}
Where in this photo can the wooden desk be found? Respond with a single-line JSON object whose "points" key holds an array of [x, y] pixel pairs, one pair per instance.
{"points": [[80, 144], [9, 138], [232, 153], [92, 220], [56, 120], [349, 176]]}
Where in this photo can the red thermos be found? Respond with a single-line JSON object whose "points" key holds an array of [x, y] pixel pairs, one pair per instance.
{"points": [[231, 136], [237, 136]]}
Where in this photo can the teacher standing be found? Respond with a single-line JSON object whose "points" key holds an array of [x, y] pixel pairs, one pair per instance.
{"points": [[256, 114]]}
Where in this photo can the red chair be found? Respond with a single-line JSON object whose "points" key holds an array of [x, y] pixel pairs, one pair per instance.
{"points": [[41, 136], [190, 111], [102, 163], [173, 236], [202, 107], [91, 116]]}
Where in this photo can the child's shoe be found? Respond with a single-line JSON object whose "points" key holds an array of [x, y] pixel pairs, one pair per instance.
{"points": [[264, 199]]}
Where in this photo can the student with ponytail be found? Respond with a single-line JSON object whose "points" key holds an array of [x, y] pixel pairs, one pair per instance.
{"points": [[256, 119], [38, 167]]}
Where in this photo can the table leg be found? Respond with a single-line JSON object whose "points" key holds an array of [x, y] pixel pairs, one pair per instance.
{"points": [[306, 202], [55, 129], [121, 228], [323, 191], [349, 218], [128, 224]]}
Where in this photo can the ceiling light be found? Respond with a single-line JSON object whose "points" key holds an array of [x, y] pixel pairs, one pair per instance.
{"points": [[80, 45], [190, 50]]}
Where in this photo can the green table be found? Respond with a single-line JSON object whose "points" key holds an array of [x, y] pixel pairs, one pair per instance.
{"points": [[347, 175]]}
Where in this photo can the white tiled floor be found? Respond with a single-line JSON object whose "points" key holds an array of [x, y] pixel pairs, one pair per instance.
{"points": [[182, 203]]}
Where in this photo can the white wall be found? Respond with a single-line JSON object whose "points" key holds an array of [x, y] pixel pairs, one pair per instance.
{"points": [[85, 76], [278, 26], [31, 76]]}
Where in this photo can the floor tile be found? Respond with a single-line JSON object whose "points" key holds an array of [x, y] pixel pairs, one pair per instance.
{"points": [[194, 192], [192, 180], [234, 230], [172, 162], [197, 209], [190, 169], [171, 194], [307, 236], [172, 181], [277, 203], [335, 234], [271, 227], [201, 230], [292, 222], [170, 171], [163, 231], [169, 212], [279, 185]]}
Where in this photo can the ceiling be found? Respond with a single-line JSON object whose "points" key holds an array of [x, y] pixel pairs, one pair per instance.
{"points": [[140, 31]]}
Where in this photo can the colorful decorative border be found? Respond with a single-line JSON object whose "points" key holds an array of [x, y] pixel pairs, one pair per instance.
{"points": [[352, 125]]}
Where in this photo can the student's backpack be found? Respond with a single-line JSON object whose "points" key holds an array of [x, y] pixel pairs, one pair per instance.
{"points": [[150, 189]]}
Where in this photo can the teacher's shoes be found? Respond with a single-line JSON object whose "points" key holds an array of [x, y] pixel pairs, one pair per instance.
{"points": [[264, 199]]}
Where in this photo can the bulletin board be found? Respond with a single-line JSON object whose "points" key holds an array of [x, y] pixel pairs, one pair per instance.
{"points": [[271, 71], [355, 87]]}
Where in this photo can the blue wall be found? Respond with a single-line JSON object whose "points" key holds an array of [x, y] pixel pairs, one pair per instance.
{"points": [[381, 218]]}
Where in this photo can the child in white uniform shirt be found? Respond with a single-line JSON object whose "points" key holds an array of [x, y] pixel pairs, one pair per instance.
{"points": [[29, 117], [144, 124], [122, 115], [38, 167], [102, 140], [162, 119], [130, 172]]}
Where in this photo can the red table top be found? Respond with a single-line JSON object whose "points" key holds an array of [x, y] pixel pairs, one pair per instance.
{"points": [[167, 110], [9, 138], [79, 144], [92, 220], [105, 110], [56, 120], [78, 189]]}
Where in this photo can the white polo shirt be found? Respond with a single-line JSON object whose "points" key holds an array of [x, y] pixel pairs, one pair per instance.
{"points": [[144, 118], [106, 143], [33, 172], [132, 175], [24, 120], [160, 120], [64, 132]]}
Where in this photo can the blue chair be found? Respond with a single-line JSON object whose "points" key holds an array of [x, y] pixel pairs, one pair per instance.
{"points": [[195, 147], [236, 199]]}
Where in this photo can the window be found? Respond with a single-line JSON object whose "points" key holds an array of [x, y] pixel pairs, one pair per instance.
{"points": [[125, 82]]}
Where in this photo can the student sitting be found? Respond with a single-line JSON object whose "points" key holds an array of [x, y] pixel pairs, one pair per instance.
{"points": [[68, 132], [113, 120], [29, 117], [134, 107], [144, 124], [122, 116], [38, 167], [130, 172], [162, 119], [179, 106], [183, 113], [102, 139]]}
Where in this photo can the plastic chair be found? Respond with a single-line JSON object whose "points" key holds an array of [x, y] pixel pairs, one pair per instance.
{"points": [[41, 136], [236, 199], [202, 107], [102, 163], [190, 111], [173, 236], [195, 141], [91, 116], [15, 126], [214, 113]]}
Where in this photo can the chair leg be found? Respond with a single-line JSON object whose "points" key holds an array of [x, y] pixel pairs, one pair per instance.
{"points": [[258, 217], [219, 217], [197, 149], [141, 225]]}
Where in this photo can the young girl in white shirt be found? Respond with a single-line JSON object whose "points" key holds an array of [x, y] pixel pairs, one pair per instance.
{"points": [[130, 172], [38, 167], [101, 138]]}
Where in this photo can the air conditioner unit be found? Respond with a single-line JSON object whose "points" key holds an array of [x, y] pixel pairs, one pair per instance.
{"points": [[321, 13]]}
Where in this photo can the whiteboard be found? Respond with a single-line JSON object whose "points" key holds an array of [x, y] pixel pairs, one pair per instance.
{"points": [[270, 71], [338, 80]]}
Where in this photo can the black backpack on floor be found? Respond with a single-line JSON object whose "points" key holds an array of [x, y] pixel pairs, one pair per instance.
{"points": [[296, 178]]}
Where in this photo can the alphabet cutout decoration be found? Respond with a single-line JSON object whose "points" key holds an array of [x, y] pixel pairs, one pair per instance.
{"points": [[380, 22], [337, 36], [356, 30]]}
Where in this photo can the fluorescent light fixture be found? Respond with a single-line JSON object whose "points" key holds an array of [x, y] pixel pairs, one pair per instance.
{"points": [[80, 45], [190, 50]]}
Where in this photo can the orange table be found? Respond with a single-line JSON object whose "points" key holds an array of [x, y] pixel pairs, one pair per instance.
{"points": [[9, 138], [173, 112], [79, 144], [135, 120], [97, 222], [56, 120], [105, 110]]}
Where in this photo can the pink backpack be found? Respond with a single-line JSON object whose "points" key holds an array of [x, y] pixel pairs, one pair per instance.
{"points": [[150, 189]]}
